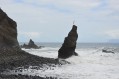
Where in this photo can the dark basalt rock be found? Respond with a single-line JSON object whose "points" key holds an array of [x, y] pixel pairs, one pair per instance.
{"points": [[19, 76], [8, 31], [107, 51], [9, 45], [69, 45], [30, 45]]}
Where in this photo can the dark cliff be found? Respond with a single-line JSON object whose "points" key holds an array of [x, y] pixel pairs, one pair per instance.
{"points": [[8, 31]]}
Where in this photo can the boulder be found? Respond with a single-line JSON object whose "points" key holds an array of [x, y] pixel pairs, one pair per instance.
{"points": [[107, 51], [68, 47], [30, 45]]}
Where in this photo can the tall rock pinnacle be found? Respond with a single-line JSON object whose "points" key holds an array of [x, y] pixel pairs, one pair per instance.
{"points": [[69, 45]]}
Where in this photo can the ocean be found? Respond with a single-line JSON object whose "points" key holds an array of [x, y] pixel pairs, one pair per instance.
{"points": [[91, 63]]}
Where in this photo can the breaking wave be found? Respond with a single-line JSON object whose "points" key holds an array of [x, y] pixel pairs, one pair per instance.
{"points": [[91, 63]]}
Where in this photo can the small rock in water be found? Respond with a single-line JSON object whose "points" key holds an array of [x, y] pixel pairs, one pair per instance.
{"points": [[30, 45]]}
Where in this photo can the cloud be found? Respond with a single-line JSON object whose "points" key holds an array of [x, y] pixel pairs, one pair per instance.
{"points": [[75, 5], [114, 34], [36, 16], [60, 5], [114, 4], [30, 34], [6, 2]]}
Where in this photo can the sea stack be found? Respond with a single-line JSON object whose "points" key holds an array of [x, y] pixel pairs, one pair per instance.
{"points": [[8, 32], [30, 45], [69, 45]]}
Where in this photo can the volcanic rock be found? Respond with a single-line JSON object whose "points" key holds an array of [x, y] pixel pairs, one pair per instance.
{"points": [[9, 46], [107, 51], [69, 45], [8, 31], [30, 45]]}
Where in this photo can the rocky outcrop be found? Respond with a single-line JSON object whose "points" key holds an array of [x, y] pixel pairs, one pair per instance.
{"points": [[69, 45], [30, 45], [8, 31], [9, 46], [107, 51]]}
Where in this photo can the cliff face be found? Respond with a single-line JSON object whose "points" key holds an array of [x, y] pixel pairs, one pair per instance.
{"points": [[8, 31], [69, 45]]}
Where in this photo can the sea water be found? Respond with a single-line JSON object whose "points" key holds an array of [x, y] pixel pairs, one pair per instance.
{"points": [[91, 63]]}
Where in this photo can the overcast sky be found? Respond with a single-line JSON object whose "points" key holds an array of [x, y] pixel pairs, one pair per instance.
{"points": [[51, 20]]}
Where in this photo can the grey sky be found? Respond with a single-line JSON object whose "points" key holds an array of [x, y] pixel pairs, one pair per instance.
{"points": [[51, 20]]}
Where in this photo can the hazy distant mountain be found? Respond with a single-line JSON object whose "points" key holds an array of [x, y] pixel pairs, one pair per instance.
{"points": [[114, 41]]}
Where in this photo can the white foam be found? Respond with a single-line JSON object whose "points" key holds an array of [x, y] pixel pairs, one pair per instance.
{"points": [[90, 64], [44, 52]]}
